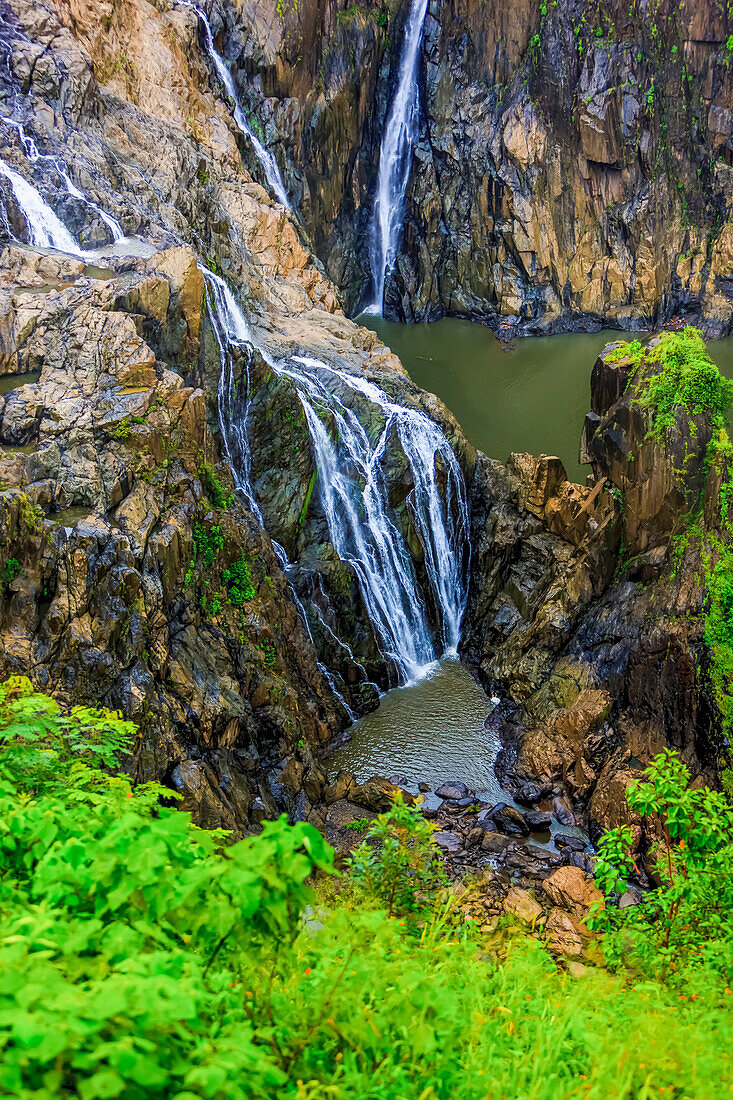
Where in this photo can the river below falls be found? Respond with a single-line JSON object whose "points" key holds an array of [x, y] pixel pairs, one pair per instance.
{"points": [[531, 397]]}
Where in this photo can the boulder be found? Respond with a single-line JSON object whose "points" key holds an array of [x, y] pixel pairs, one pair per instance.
{"points": [[528, 859], [378, 794], [569, 889], [508, 820], [454, 790], [563, 935], [341, 787], [573, 843], [520, 903], [582, 860], [538, 821], [447, 841], [529, 794], [495, 842]]}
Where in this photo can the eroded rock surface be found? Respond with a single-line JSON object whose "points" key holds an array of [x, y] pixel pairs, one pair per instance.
{"points": [[591, 630], [572, 163], [136, 576]]}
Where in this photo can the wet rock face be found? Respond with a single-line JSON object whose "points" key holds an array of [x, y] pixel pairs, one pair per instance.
{"points": [[117, 558], [158, 591], [536, 193]]}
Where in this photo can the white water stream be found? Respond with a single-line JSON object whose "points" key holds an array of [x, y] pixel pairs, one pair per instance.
{"points": [[265, 157], [395, 159], [354, 490], [363, 526], [45, 228]]}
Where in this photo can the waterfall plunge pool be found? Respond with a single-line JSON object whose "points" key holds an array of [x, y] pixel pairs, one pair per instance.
{"points": [[532, 397], [430, 731]]}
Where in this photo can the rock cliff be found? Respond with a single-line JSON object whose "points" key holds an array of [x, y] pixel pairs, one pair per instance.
{"points": [[589, 605], [573, 163], [132, 574]]}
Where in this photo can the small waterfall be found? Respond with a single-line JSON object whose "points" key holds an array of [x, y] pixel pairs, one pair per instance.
{"points": [[112, 224], [231, 329], [354, 491], [266, 159], [45, 228], [395, 159]]}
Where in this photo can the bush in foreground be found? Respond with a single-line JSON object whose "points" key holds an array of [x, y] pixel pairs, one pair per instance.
{"points": [[143, 958]]}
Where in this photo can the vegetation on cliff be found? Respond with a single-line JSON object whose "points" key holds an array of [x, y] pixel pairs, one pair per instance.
{"points": [[689, 379], [143, 957]]}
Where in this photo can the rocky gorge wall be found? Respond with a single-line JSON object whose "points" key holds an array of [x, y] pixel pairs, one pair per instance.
{"points": [[132, 575], [573, 164]]}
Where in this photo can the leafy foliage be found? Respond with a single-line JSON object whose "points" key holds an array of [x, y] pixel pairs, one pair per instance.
{"points": [[689, 380], [143, 959], [125, 927], [632, 351], [213, 487], [401, 870], [10, 570], [238, 581], [687, 921], [208, 542], [719, 631]]}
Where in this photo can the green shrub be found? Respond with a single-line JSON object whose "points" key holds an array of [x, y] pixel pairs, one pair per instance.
{"points": [[143, 959], [9, 572], [402, 870], [238, 581], [689, 380], [686, 923], [719, 631], [126, 930], [213, 487], [122, 430], [633, 351], [207, 543]]}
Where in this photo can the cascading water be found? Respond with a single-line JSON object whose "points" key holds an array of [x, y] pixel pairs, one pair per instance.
{"points": [[363, 527], [266, 159], [395, 159], [45, 228], [112, 224]]}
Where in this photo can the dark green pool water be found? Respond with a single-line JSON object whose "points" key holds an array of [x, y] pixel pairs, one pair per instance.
{"points": [[533, 397]]}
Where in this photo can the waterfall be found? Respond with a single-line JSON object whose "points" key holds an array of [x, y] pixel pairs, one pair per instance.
{"points": [[266, 159], [112, 224], [230, 328], [45, 229], [395, 159], [362, 524]]}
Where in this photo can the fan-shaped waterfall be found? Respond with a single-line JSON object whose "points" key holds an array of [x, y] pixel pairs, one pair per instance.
{"points": [[363, 526]]}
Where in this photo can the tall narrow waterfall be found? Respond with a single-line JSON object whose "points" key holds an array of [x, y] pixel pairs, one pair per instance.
{"points": [[266, 159], [395, 159], [363, 526]]}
